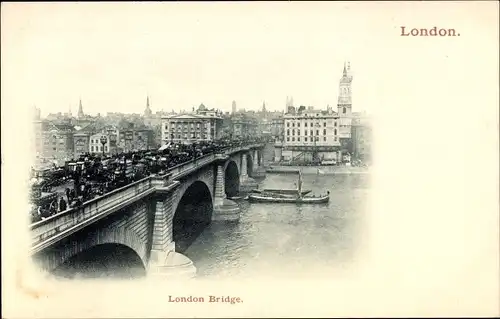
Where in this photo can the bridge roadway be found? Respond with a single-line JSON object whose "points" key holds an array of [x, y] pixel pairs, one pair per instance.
{"points": [[141, 214]]}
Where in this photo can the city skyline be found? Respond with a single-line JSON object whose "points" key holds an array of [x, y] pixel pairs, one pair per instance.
{"points": [[182, 57]]}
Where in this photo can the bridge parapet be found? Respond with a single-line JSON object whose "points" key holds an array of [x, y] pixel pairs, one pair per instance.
{"points": [[50, 230], [161, 180]]}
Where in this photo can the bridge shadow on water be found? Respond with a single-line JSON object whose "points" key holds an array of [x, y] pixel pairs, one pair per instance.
{"points": [[106, 261], [193, 215]]}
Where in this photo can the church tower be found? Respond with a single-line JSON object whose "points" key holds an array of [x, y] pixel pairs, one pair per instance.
{"points": [[344, 105], [233, 107], [80, 110], [289, 105], [344, 108], [147, 111]]}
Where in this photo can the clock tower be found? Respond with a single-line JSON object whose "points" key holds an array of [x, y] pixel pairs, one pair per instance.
{"points": [[344, 105], [344, 109]]}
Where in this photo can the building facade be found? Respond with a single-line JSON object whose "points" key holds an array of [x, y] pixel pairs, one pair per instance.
{"points": [[311, 135], [57, 142], [81, 144], [362, 139], [205, 125], [277, 128], [244, 126], [97, 147]]}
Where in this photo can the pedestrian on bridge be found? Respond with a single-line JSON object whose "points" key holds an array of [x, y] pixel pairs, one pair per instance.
{"points": [[62, 205]]}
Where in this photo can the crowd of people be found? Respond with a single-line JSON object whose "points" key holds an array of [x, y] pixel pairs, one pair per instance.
{"points": [[92, 175]]}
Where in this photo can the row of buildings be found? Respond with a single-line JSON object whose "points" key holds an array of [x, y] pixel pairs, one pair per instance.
{"points": [[211, 124], [62, 137], [300, 133], [312, 135]]}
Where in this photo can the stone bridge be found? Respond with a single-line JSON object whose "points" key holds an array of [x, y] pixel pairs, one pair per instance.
{"points": [[149, 222]]}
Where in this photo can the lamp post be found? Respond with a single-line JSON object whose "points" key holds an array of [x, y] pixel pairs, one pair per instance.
{"points": [[316, 139], [103, 142]]}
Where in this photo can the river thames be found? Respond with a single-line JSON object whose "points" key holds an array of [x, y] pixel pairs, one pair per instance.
{"points": [[287, 239]]}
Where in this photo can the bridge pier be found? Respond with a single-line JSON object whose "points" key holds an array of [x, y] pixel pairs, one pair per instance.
{"points": [[164, 261], [246, 183], [223, 209], [258, 171]]}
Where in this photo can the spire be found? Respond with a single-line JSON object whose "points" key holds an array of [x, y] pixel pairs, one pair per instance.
{"points": [[80, 109], [264, 107], [147, 111], [345, 71]]}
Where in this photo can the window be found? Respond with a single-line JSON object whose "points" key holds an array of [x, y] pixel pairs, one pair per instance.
{"points": [[105, 148], [287, 124], [293, 139], [311, 132], [305, 133], [343, 111], [166, 126], [288, 132], [324, 131], [335, 124], [335, 132], [298, 139], [317, 132], [335, 138], [305, 124], [293, 132], [324, 138], [324, 124], [91, 148], [298, 132], [288, 139], [293, 124], [298, 124], [305, 138]]}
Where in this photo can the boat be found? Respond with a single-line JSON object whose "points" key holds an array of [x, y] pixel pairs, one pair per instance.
{"points": [[235, 198], [280, 191], [277, 196], [271, 198]]}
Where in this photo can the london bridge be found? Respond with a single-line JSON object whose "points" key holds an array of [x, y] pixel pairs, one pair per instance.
{"points": [[150, 221]]}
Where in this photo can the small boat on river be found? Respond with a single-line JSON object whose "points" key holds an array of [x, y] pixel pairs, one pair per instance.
{"points": [[272, 198], [280, 191], [235, 198], [287, 195]]}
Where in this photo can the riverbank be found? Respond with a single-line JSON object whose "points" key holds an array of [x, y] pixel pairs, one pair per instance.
{"points": [[322, 170]]}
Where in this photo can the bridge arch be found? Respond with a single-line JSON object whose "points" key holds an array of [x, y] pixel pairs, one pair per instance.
{"points": [[115, 253], [231, 179], [192, 214]]}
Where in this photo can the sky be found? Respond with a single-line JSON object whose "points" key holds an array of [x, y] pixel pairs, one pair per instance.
{"points": [[181, 55]]}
